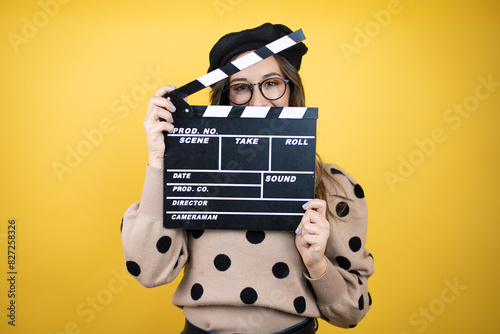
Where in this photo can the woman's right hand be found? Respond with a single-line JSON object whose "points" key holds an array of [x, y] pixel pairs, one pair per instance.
{"points": [[158, 119]]}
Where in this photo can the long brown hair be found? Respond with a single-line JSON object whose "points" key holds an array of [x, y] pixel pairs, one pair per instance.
{"points": [[297, 99]]}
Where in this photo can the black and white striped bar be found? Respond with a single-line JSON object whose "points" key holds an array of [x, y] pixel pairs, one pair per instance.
{"points": [[237, 65], [254, 112], [239, 167]]}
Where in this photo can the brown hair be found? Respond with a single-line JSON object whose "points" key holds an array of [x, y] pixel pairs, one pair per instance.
{"points": [[322, 177], [297, 99]]}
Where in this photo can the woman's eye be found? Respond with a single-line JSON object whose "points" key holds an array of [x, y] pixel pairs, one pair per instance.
{"points": [[241, 88], [271, 83]]}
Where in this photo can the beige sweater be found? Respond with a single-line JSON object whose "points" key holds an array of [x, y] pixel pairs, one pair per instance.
{"points": [[252, 282]]}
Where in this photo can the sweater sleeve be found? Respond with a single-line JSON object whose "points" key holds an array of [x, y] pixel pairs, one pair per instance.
{"points": [[154, 255], [342, 291]]}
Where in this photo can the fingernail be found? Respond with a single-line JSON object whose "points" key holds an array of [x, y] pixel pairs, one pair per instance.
{"points": [[305, 205], [172, 120], [173, 108], [297, 230], [173, 86]]}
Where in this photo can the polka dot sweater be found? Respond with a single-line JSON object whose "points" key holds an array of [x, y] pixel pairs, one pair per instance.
{"points": [[235, 269]]}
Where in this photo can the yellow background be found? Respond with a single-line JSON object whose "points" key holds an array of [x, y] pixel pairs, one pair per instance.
{"points": [[434, 212]]}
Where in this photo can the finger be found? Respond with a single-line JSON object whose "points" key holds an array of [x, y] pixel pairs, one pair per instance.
{"points": [[310, 239], [316, 204], [165, 89], [303, 221], [302, 242], [298, 229], [161, 126], [160, 102], [152, 121], [318, 219], [158, 114], [311, 229], [315, 241], [311, 242], [315, 218]]}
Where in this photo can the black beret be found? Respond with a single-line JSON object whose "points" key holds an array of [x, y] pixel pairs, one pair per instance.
{"points": [[235, 43]]}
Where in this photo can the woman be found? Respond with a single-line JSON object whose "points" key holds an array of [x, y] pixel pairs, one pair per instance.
{"points": [[254, 281]]}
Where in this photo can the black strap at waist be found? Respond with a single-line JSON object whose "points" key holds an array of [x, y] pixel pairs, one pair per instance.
{"points": [[308, 326]]}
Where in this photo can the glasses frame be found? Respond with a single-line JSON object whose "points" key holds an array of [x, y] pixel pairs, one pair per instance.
{"points": [[286, 81]]}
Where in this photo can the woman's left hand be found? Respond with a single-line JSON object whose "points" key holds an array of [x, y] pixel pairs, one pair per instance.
{"points": [[312, 236]]}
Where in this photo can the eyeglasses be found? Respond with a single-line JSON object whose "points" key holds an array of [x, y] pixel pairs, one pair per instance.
{"points": [[271, 88]]}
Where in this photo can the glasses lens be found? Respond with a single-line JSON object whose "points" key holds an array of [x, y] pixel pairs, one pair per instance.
{"points": [[273, 88], [240, 93]]}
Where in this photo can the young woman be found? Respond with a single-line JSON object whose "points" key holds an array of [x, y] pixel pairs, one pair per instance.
{"points": [[254, 281]]}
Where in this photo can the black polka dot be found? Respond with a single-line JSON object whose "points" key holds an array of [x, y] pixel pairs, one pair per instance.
{"points": [[300, 304], [248, 296], [222, 262], [361, 303], [196, 291], [197, 233], [352, 326], [358, 191], [342, 209], [343, 262], [121, 226], [255, 237], [370, 255], [133, 268], [335, 171], [163, 244], [281, 270], [355, 244], [369, 299]]}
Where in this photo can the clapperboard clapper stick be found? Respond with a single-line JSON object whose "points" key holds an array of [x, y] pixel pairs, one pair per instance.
{"points": [[245, 168], [178, 95]]}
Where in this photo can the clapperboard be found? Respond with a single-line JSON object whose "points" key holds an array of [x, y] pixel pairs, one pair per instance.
{"points": [[229, 167]]}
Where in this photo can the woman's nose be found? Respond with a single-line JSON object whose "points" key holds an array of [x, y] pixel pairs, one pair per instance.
{"points": [[258, 99]]}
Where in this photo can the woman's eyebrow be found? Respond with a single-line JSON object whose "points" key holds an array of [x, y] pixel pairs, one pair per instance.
{"points": [[272, 74], [265, 76], [238, 79]]}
